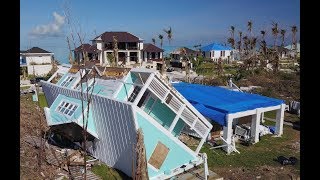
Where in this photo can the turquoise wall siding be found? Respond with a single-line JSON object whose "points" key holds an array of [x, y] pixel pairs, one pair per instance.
{"points": [[123, 93], [178, 128], [57, 117], [176, 156], [91, 127], [161, 113]]}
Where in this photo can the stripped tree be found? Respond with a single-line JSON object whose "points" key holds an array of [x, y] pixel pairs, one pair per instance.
{"points": [[140, 168], [84, 95]]}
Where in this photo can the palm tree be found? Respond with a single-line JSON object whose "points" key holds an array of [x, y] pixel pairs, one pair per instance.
{"points": [[154, 41], [231, 39], [275, 32], [232, 28], [250, 27], [239, 43], [282, 32], [263, 33], [169, 34], [246, 43], [163, 63], [161, 40], [294, 31]]}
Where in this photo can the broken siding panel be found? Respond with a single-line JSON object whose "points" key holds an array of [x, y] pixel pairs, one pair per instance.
{"points": [[117, 133], [177, 155]]}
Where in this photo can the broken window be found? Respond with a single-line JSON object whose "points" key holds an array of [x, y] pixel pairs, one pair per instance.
{"points": [[67, 108], [143, 98], [159, 155], [67, 81], [134, 94], [169, 97]]}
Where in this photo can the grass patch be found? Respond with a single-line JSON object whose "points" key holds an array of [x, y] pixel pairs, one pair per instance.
{"points": [[24, 87], [262, 153], [287, 116], [291, 117], [42, 100], [107, 173], [270, 114]]}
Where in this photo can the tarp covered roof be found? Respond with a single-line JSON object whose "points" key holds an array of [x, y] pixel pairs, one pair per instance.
{"points": [[215, 46], [216, 102]]}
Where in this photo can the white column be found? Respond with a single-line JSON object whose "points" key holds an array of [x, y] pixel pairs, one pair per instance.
{"points": [[139, 57], [262, 117], [161, 54], [128, 58], [175, 120], [279, 120], [145, 56], [255, 125], [143, 89], [200, 145], [227, 133], [54, 75]]}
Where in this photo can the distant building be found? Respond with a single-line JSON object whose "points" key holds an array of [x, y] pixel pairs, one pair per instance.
{"points": [[178, 55], [215, 51], [292, 49], [36, 61], [91, 51], [151, 56], [131, 51]]}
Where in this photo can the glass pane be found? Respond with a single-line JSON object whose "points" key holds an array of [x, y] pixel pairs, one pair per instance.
{"points": [[66, 105], [62, 110], [70, 113], [66, 112], [71, 106], [74, 107]]}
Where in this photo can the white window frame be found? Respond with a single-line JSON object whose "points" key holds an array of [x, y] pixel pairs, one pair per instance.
{"points": [[66, 82], [69, 108]]}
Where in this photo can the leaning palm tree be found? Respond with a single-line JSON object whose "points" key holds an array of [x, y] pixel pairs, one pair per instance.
{"points": [[169, 34], [282, 32], [154, 41]]}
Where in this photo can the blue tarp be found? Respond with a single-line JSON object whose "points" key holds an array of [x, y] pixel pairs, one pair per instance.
{"points": [[216, 102], [216, 47]]}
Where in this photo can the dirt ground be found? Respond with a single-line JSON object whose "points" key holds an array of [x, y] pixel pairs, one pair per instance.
{"points": [[32, 123], [263, 172]]}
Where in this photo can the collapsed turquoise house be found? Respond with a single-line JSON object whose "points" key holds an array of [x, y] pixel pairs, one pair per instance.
{"points": [[119, 106]]}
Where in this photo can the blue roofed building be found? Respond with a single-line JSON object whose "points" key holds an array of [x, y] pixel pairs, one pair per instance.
{"points": [[232, 108], [216, 51], [123, 101]]}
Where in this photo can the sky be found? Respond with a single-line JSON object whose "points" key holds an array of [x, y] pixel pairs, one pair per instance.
{"points": [[47, 23]]}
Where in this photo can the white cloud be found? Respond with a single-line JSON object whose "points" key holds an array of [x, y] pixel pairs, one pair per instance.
{"points": [[53, 29]]}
